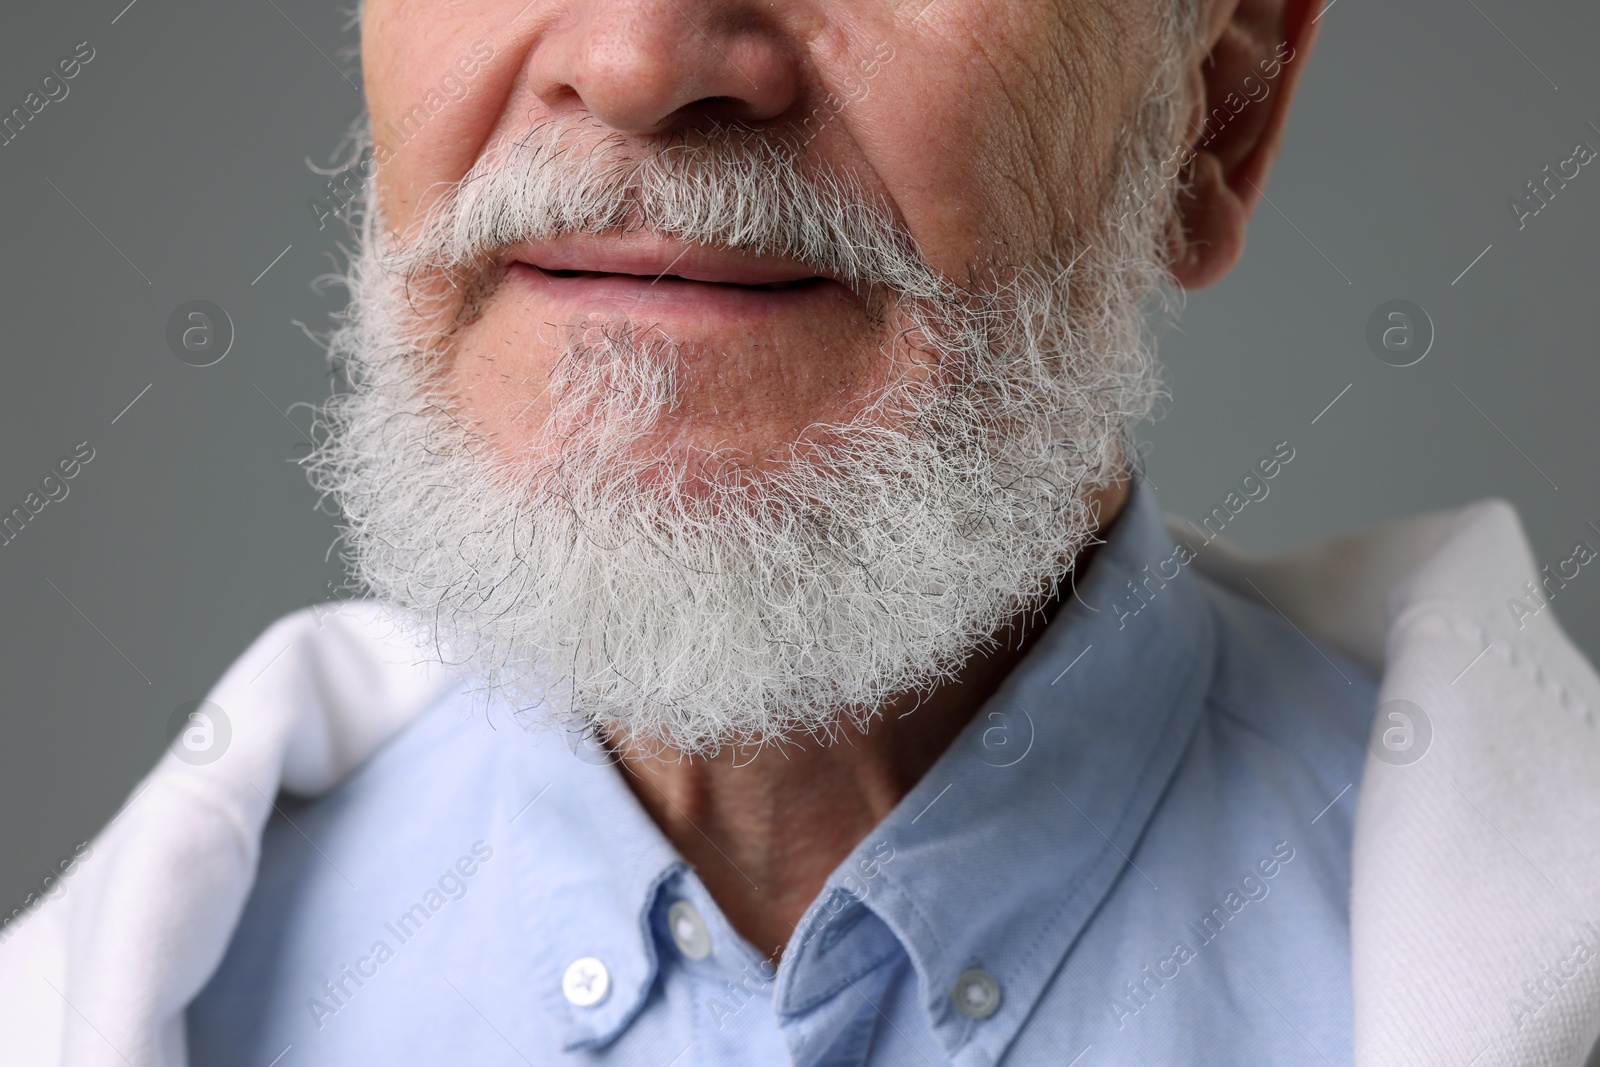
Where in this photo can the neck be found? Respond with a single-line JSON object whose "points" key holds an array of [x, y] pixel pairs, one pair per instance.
{"points": [[764, 828]]}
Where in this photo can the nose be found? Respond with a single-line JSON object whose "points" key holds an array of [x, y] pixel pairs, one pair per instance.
{"points": [[645, 66]]}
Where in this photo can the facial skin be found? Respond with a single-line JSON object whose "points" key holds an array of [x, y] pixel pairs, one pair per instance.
{"points": [[988, 128]]}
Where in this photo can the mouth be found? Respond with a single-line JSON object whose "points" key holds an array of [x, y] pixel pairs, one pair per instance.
{"points": [[762, 287], [643, 271]]}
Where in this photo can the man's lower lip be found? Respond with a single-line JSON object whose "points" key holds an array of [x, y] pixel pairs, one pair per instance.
{"points": [[668, 294]]}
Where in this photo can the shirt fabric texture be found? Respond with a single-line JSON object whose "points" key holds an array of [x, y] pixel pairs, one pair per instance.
{"points": [[1142, 840]]}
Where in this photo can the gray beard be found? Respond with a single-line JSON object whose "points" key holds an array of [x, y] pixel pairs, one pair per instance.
{"points": [[778, 599]]}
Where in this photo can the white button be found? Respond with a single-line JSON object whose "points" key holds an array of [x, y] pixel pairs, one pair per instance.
{"points": [[689, 931], [586, 982], [976, 994]]}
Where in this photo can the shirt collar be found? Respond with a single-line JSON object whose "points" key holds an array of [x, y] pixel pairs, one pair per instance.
{"points": [[996, 859], [590, 866], [1001, 853]]}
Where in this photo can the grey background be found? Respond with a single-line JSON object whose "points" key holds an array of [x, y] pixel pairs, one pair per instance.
{"points": [[183, 149]]}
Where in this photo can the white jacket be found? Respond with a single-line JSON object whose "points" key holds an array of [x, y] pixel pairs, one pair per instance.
{"points": [[1475, 910]]}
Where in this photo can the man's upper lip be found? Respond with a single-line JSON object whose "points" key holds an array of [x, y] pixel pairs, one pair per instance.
{"points": [[650, 256]]}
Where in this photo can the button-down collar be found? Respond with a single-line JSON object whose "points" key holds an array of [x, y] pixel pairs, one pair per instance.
{"points": [[994, 861], [591, 866], [598, 880]]}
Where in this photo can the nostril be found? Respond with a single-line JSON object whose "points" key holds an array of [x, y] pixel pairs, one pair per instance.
{"points": [[716, 108]]}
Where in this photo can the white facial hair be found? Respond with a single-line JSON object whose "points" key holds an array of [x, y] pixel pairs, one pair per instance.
{"points": [[771, 602]]}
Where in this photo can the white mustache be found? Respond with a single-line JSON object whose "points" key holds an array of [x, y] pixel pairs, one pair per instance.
{"points": [[736, 189]]}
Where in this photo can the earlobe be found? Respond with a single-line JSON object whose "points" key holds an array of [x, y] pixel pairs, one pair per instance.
{"points": [[1208, 234], [1244, 82]]}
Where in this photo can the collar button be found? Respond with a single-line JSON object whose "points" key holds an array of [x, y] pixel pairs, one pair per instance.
{"points": [[586, 982], [976, 994], [688, 930]]}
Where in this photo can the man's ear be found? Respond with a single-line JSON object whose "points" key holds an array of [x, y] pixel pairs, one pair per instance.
{"points": [[1240, 83]]}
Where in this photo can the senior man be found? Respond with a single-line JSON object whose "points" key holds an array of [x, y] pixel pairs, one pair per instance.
{"points": [[738, 400]]}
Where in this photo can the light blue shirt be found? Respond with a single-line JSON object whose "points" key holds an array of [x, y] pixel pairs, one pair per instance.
{"points": [[1137, 853]]}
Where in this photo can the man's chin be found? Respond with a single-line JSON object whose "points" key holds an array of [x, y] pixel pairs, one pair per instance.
{"points": [[691, 465]]}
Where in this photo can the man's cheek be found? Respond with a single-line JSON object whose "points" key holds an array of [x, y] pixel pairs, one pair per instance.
{"points": [[1032, 154], [946, 173], [424, 64]]}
